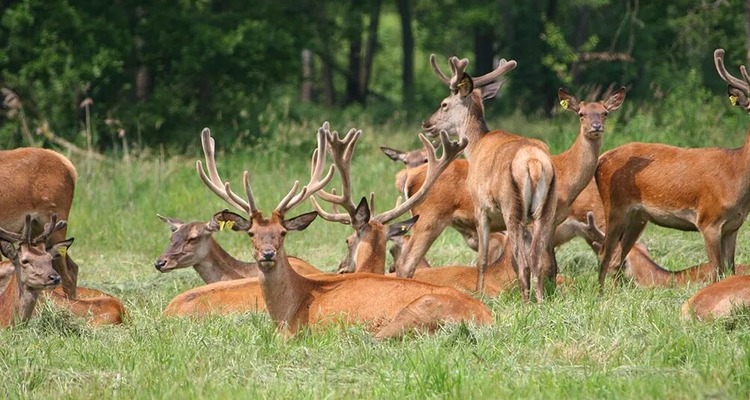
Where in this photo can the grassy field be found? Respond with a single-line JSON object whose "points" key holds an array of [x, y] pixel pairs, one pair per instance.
{"points": [[627, 343]]}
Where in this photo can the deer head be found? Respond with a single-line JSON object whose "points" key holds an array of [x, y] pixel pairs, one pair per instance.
{"points": [[592, 115], [737, 89], [31, 258], [188, 245], [266, 233], [411, 159], [467, 94]]}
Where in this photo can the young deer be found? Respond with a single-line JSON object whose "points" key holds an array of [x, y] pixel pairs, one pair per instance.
{"points": [[33, 269], [39, 182], [719, 299], [294, 301], [366, 245], [192, 245], [704, 189], [511, 178]]}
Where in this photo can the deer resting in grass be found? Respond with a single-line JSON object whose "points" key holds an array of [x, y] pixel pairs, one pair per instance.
{"points": [[511, 178], [39, 182], [719, 299], [366, 245], [33, 270], [388, 306], [192, 245], [703, 189]]}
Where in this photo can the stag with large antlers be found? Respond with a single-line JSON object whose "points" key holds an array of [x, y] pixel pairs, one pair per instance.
{"points": [[39, 182], [366, 245], [294, 301], [511, 178], [192, 245], [703, 189], [33, 269]]}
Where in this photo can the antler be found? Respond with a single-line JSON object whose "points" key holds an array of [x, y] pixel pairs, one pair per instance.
{"points": [[595, 234], [49, 228], [341, 152], [458, 68], [435, 166], [214, 181], [292, 199], [726, 76]]}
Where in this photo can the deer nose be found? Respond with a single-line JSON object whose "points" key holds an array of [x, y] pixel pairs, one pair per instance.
{"points": [[597, 126], [268, 254], [159, 264], [55, 279]]}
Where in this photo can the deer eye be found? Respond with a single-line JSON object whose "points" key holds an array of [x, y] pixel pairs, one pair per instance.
{"points": [[580, 114], [444, 106], [606, 113]]}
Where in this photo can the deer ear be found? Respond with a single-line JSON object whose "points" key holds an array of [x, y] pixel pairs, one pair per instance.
{"points": [[393, 154], [362, 214], [489, 91], [60, 249], [737, 97], [300, 222], [568, 101], [228, 220], [465, 86], [400, 228], [615, 100], [8, 250], [174, 223]]}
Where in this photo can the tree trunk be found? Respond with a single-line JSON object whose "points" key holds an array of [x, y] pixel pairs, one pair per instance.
{"points": [[353, 21], [747, 30], [306, 87], [407, 46], [484, 51], [370, 49]]}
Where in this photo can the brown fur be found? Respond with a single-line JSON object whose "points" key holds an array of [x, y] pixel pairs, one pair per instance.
{"points": [[41, 183], [719, 299], [96, 307]]}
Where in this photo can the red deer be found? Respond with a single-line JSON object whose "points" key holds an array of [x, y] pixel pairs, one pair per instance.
{"points": [[703, 189], [192, 245], [511, 178], [388, 306], [33, 270], [719, 299], [50, 191]]}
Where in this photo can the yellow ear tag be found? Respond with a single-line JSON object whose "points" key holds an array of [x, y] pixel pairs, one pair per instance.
{"points": [[62, 251], [228, 224], [403, 228], [565, 103], [221, 225], [733, 100]]}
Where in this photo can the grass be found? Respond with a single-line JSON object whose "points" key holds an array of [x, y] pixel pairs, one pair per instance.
{"points": [[627, 343]]}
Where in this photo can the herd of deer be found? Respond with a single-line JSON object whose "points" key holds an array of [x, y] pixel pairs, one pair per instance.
{"points": [[511, 200]]}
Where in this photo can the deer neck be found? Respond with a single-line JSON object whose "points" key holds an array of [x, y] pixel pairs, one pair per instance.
{"points": [[284, 291], [645, 272], [9, 301], [574, 168], [474, 128], [27, 299], [370, 253], [221, 266]]}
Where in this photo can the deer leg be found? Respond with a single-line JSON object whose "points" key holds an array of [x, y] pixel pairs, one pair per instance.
{"points": [[630, 235], [728, 246], [615, 229], [712, 239], [422, 237], [483, 234]]}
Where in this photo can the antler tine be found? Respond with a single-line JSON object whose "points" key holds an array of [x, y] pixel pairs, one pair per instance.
{"points": [[341, 153], [292, 199], [502, 67], [435, 167], [437, 71], [214, 181], [334, 216], [459, 68], [745, 76], [725, 75], [49, 228]]}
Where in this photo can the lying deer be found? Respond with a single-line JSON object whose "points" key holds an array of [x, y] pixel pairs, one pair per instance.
{"points": [[33, 270], [39, 182], [388, 306], [511, 178], [719, 299], [192, 245], [703, 189]]}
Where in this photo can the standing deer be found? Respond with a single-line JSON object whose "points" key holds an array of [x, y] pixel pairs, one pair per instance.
{"points": [[703, 189], [719, 299], [192, 245], [574, 170], [33, 269], [294, 301], [41, 183], [511, 178]]}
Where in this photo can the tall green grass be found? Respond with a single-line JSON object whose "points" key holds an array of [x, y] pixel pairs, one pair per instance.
{"points": [[627, 343]]}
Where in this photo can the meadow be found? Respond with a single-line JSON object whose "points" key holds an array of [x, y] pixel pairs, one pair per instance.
{"points": [[625, 343]]}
